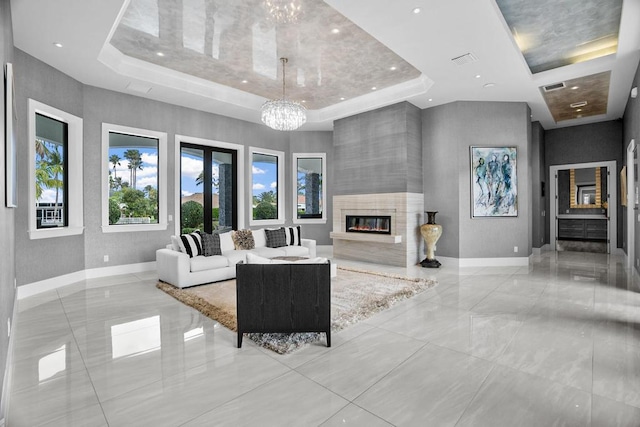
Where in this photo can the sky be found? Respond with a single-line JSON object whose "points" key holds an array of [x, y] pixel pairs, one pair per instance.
{"points": [[264, 176]]}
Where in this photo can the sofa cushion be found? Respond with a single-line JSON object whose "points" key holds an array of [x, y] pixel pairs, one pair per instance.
{"points": [[235, 257], [276, 238], [191, 244], [257, 259], [243, 239], [210, 244], [202, 263], [295, 251], [269, 252], [226, 242], [259, 238], [293, 235]]}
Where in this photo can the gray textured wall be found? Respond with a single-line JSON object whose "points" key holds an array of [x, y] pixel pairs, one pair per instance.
{"points": [[539, 229], [378, 151], [448, 132], [7, 216], [584, 144], [95, 106], [441, 167], [42, 258], [631, 130]]}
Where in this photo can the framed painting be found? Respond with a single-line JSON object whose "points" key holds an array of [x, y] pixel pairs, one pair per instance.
{"points": [[494, 183], [11, 192]]}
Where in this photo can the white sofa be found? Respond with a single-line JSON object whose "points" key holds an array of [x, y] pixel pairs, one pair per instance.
{"points": [[177, 268]]}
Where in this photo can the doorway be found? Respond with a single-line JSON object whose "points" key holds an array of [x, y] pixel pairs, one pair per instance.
{"points": [[208, 188], [583, 207]]}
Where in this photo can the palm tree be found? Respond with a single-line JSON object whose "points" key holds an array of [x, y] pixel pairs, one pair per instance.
{"points": [[56, 165], [114, 159], [135, 163]]}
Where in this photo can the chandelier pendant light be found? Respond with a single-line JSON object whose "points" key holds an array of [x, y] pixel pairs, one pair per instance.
{"points": [[281, 114], [283, 11]]}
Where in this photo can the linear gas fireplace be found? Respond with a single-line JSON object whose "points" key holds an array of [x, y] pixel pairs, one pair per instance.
{"points": [[368, 224]]}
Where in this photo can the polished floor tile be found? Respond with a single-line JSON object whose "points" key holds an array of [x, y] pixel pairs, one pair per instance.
{"points": [[510, 397], [426, 390], [271, 405], [551, 354], [553, 343]]}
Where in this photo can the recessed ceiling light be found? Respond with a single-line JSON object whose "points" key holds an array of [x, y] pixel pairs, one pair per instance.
{"points": [[430, 99], [335, 31], [57, 44], [477, 76], [159, 53], [579, 109], [393, 68], [245, 81], [489, 85], [575, 87], [416, 10], [342, 98], [374, 88]]}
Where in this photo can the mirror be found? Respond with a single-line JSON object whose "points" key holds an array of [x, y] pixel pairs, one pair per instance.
{"points": [[585, 188]]}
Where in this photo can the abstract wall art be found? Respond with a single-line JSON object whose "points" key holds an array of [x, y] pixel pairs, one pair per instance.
{"points": [[494, 184]]}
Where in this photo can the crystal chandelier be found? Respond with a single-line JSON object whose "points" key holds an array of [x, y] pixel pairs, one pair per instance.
{"points": [[283, 11], [280, 114]]}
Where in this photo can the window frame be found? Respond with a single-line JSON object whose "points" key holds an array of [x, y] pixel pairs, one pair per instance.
{"points": [[294, 173], [162, 224], [73, 174], [280, 220]]}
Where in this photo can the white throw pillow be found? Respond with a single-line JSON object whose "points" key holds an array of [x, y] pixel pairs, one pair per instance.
{"points": [[226, 242], [174, 243], [259, 238]]}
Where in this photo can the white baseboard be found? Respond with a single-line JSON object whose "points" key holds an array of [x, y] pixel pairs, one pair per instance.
{"points": [[35, 288], [483, 262], [494, 262]]}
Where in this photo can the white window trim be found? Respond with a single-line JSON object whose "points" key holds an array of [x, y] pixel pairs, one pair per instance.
{"points": [[162, 179], [215, 144], [74, 173], [294, 170], [281, 187]]}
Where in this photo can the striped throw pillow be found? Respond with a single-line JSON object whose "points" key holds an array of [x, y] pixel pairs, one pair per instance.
{"points": [[293, 236], [191, 244]]}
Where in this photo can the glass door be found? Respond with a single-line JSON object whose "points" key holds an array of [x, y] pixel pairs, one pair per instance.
{"points": [[208, 189]]}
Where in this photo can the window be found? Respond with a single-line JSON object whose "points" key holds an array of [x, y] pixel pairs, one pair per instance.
{"points": [[134, 183], [309, 188], [267, 175], [55, 172]]}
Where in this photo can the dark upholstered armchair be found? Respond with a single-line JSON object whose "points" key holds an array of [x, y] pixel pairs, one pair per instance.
{"points": [[283, 298]]}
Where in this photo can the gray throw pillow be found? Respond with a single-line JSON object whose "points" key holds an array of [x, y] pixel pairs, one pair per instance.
{"points": [[210, 244], [276, 238]]}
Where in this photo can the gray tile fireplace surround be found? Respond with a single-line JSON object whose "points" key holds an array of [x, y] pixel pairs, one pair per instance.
{"points": [[402, 247]]}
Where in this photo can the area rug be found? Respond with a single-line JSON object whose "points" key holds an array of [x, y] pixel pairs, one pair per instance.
{"points": [[355, 296]]}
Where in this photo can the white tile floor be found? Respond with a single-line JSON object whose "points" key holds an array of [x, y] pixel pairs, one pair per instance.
{"points": [[557, 343]]}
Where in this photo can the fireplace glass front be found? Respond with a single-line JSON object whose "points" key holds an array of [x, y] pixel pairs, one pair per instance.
{"points": [[368, 224]]}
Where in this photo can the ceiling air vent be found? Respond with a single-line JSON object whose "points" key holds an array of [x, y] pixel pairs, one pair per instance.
{"points": [[467, 58], [578, 104], [555, 86]]}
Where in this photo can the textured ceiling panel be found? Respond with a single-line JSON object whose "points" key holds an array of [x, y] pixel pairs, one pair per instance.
{"points": [[235, 43], [555, 33], [594, 90]]}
